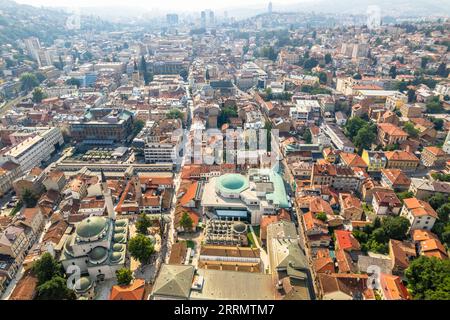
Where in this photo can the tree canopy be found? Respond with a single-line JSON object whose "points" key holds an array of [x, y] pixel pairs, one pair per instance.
{"points": [[46, 268], [55, 289], [51, 282], [29, 198], [375, 237], [28, 81], [429, 278], [141, 248], [175, 114], [186, 222], [142, 224], [38, 95], [124, 276], [411, 130]]}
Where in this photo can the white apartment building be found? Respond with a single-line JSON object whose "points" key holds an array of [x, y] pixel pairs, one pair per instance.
{"points": [[31, 152], [338, 138], [419, 213], [159, 152], [302, 110], [446, 146]]}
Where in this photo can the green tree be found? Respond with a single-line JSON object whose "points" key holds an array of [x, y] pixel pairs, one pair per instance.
{"points": [[310, 63], [438, 200], [322, 77], [441, 177], [29, 198], [365, 137], [434, 106], [124, 276], [411, 96], [46, 268], [396, 227], [353, 125], [137, 126], [227, 113], [438, 123], [38, 95], [411, 130], [186, 222], [357, 76], [175, 114], [444, 212], [141, 248], [393, 72], [28, 81], [268, 127], [328, 58], [143, 223], [429, 278], [307, 136], [442, 70], [55, 289], [322, 216], [402, 86], [405, 195], [424, 62]]}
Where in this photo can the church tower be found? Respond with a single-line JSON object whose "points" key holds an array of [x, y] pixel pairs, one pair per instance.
{"points": [[137, 188]]}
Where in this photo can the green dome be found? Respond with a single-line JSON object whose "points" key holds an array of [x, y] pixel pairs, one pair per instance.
{"points": [[83, 284], [67, 246], [121, 223], [116, 256], [117, 247], [119, 238], [232, 183], [119, 230], [239, 227], [98, 254], [91, 227]]}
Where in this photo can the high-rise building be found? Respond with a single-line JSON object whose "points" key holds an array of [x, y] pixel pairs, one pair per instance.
{"points": [[269, 7], [172, 19], [203, 19]]}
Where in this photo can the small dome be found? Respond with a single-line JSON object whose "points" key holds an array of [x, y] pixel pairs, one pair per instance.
{"points": [[232, 183], [67, 246], [119, 230], [119, 238], [117, 247], [239, 227], [116, 256], [121, 223], [98, 254], [91, 227], [83, 284]]}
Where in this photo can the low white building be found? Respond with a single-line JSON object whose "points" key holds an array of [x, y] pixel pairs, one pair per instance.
{"points": [[31, 152], [249, 197], [303, 109], [419, 213]]}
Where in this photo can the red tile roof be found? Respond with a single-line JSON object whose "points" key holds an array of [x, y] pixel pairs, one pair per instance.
{"points": [[134, 291], [346, 241], [393, 288]]}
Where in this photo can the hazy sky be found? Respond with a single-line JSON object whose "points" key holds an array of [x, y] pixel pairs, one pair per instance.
{"points": [[179, 5]]}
